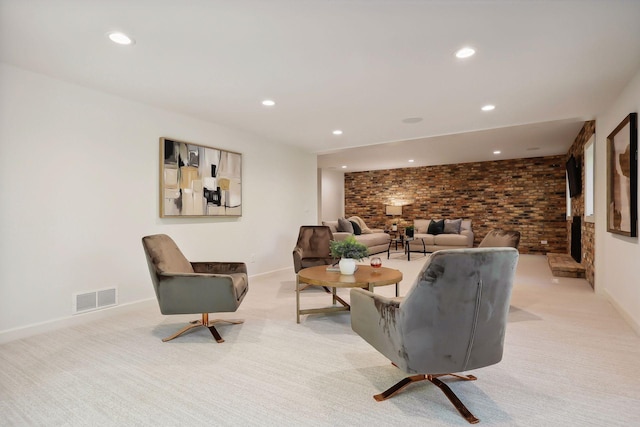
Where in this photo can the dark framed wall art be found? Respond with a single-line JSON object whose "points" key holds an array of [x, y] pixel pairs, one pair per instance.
{"points": [[622, 178], [199, 181]]}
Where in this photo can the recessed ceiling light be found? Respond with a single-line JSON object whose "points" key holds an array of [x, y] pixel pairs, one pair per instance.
{"points": [[411, 160], [497, 152], [488, 107], [120, 38], [344, 166], [411, 120], [337, 132], [268, 103], [465, 52]]}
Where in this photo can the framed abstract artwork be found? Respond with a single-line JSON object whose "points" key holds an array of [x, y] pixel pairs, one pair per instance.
{"points": [[199, 181], [622, 178]]}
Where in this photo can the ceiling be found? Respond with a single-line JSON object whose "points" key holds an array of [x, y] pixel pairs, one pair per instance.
{"points": [[362, 66]]}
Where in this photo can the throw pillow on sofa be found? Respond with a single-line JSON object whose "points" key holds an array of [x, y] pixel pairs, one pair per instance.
{"points": [[436, 227], [452, 226], [363, 227], [421, 225], [356, 228], [345, 225]]}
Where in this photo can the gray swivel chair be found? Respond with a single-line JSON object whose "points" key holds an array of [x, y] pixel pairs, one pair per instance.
{"points": [[453, 318], [184, 287], [501, 239]]}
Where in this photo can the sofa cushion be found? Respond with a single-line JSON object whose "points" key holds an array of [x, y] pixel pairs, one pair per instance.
{"points": [[428, 238], [450, 240], [356, 228], [333, 225], [345, 225], [452, 226], [373, 239], [465, 225], [436, 227], [421, 225]]}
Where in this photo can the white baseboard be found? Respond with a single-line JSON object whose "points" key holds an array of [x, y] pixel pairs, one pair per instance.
{"points": [[625, 315], [270, 272], [64, 322]]}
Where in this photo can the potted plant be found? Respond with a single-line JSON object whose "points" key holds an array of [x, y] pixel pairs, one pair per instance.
{"points": [[409, 231], [349, 251]]}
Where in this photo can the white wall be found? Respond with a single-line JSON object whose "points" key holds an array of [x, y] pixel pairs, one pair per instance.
{"points": [[617, 257], [79, 186], [331, 194]]}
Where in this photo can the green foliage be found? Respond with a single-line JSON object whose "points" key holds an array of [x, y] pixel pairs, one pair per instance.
{"points": [[348, 248]]}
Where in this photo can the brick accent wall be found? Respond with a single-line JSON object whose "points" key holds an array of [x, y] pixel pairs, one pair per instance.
{"points": [[522, 194], [577, 205]]}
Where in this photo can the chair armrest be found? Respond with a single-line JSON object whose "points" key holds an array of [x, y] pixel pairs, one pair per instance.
{"points": [[182, 293], [298, 254], [375, 318], [219, 267], [376, 230]]}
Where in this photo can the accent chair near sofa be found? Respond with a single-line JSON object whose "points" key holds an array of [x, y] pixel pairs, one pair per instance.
{"points": [[184, 287], [501, 239], [453, 318]]}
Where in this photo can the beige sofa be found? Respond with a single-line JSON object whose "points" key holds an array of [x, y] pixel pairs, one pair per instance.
{"points": [[375, 240], [450, 240]]}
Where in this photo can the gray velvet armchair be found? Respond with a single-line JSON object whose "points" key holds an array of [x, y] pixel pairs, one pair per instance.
{"points": [[184, 287], [453, 318]]}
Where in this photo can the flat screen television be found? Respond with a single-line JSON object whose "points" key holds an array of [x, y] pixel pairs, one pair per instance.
{"points": [[574, 176]]}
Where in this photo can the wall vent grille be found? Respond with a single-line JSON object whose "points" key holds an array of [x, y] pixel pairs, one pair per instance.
{"points": [[94, 300]]}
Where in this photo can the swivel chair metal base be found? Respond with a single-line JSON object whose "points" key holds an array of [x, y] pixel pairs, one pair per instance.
{"points": [[442, 386], [206, 323]]}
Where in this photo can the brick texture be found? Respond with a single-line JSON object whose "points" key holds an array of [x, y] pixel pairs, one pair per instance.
{"points": [[522, 194], [577, 205]]}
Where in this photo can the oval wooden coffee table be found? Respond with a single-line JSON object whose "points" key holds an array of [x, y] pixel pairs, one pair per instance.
{"points": [[365, 277]]}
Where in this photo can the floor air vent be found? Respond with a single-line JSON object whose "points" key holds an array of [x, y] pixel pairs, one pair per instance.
{"points": [[94, 300]]}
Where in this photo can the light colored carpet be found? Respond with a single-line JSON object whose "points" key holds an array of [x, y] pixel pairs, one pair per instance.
{"points": [[570, 360]]}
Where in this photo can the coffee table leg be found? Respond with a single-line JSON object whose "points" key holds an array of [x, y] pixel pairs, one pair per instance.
{"points": [[397, 289], [333, 293]]}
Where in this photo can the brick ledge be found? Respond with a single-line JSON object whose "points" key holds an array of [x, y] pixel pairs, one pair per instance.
{"points": [[562, 265]]}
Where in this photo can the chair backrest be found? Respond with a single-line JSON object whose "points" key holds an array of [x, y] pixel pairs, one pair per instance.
{"points": [[501, 239], [314, 241], [454, 316], [164, 255]]}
